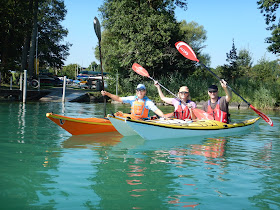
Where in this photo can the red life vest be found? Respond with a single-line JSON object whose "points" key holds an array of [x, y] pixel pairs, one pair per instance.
{"points": [[182, 114], [217, 113], [138, 109]]}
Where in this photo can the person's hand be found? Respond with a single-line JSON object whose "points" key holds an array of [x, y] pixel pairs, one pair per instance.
{"points": [[189, 105], [223, 83], [103, 92], [156, 83]]}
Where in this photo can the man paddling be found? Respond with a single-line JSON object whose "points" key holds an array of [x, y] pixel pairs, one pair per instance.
{"points": [[140, 103], [218, 106]]}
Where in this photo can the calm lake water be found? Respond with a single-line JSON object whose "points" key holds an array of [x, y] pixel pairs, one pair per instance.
{"points": [[44, 167]]}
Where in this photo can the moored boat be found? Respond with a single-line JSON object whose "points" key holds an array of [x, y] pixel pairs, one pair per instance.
{"points": [[175, 128], [80, 126]]}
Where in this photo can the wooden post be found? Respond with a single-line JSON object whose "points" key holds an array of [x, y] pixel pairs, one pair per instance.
{"points": [[11, 82], [20, 82], [24, 86], [64, 87]]}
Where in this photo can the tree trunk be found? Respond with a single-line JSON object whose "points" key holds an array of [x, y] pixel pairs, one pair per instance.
{"points": [[27, 38], [33, 41]]}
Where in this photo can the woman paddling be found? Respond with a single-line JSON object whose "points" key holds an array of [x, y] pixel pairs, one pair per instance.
{"points": [[183, 107]]}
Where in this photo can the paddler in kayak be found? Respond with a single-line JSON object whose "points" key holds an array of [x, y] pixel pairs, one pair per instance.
{"points": [[218, 106], [140, 103], [183, 107]]}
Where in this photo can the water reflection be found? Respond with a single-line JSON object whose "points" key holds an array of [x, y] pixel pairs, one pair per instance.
{"points": [[144, 170], [44, 167]]}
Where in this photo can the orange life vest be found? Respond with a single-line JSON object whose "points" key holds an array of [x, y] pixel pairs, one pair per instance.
{"points": [[138, 109], [182, 114], [217, 113]]}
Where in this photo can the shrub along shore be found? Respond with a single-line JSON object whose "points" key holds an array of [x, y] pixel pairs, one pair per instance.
{"points": [[261, 94]]}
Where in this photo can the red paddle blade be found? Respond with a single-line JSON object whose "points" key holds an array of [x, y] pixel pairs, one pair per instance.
{"points": [[202, 115], [140, 70], [262, 115], [186, 51]]}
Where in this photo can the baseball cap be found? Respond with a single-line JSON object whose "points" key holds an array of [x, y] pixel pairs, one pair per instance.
{"points": [[213, 88], [141, 86]]}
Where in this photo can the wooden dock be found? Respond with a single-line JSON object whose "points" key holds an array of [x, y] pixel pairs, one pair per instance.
{"points": [[51, 95]]}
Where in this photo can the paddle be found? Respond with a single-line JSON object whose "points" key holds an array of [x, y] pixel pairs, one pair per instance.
{"points": [[97, 30], [187, 52], [143, 72]]}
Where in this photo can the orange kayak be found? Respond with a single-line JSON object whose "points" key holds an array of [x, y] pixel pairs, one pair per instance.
{"points": [[80, 126]]}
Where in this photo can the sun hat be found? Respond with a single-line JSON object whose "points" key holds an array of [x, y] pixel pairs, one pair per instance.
{"points": [[213, 88], [141, 86]]}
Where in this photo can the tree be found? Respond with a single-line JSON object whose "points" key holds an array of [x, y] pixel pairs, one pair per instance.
{"points": [[70, 71], [230, 71], [33, 39], [269, 9], [94, 66], [13, 25], [18, 24], [52, 51], [244, 62], [266, 70], [140, 31]]}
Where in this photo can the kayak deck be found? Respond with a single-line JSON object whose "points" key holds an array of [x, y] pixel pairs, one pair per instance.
{"points": [[174, 128]]}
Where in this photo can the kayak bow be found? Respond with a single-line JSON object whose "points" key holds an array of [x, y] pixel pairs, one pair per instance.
{"points": [[80, 126]]}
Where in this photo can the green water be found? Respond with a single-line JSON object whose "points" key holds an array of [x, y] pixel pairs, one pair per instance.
{"points": [[44, 167]]}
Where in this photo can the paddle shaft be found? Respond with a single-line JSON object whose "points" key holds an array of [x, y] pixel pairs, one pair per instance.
{"points": [[227, 85], [98, 34], [188, 53]]}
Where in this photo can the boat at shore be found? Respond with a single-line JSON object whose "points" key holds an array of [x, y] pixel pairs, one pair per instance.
{"points": [[175, 128], [80, 126]]}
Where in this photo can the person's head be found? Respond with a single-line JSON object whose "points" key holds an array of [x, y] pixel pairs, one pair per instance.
{"points": [[213, 91], [140, 91], [184, 93]]}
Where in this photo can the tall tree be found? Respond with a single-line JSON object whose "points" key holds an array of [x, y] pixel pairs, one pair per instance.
{"points": [[26, 35], [18, 20], [141, 31], [33, 39], [14, 15], [270, 10], [244, 62], [230, 71], [52, 51]]}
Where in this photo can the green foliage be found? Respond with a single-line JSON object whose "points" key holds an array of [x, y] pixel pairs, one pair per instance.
{"points": [[52, 51], [270, 10], [16, 31], [257, 92], [274, 40], [70, 71], [266, 70], [148, 39], [231, 71]]}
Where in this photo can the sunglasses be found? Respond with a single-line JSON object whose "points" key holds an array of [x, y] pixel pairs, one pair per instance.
{"points": [[183, 92], [213, 91], [140, 89]]}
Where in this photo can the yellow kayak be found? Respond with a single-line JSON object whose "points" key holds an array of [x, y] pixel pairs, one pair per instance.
{"points": [[175, 128]]}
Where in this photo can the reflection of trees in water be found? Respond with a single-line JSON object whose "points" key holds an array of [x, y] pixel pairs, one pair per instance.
{"points": [[26, 148]]}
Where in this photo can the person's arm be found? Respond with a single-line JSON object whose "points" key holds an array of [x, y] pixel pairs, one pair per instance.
{"points": [[159, 113], [112, 96], [165, 99], [227, 90]]}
